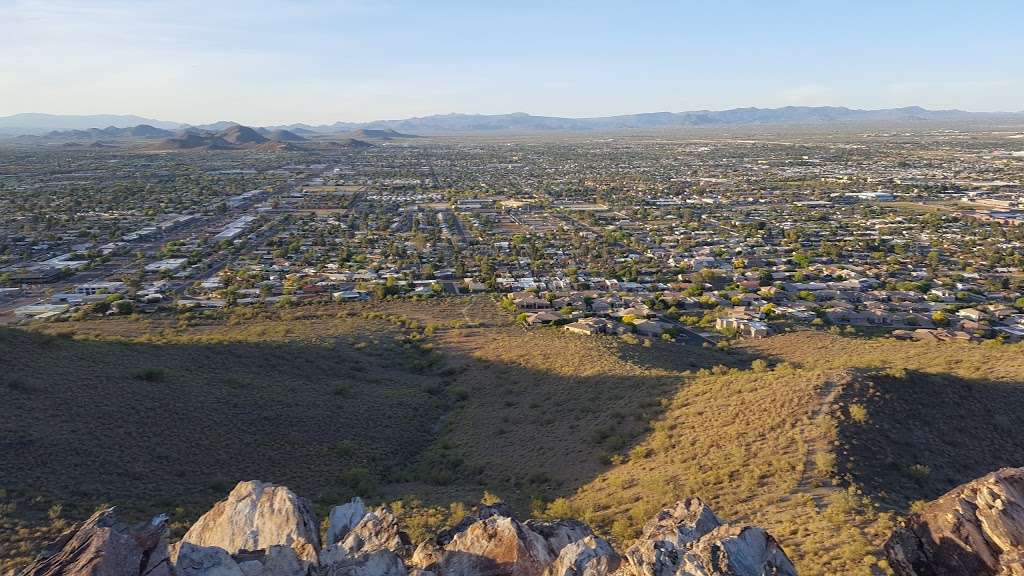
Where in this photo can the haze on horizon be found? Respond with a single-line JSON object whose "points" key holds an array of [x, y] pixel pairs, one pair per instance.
{"points": [[318, 62]]}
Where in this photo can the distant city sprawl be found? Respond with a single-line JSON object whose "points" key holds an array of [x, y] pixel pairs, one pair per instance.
{"points": [[695, 237]]}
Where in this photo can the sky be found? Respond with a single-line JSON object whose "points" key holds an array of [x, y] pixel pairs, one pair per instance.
{"points": [[263, 63]]}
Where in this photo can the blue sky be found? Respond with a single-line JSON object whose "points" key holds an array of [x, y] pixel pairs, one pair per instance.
{"points": [[280, 62]]}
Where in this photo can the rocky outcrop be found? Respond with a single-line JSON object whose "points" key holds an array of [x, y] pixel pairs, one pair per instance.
{"points": [[495, 546], [342, 519], [375, 563], [256, 516], [192, 560], [492, 542], [589, 556], [377, 530], [689, 540], [560, 533], [373, 546], [976, 528], [266, 530], [101, 546], [258, 530]]}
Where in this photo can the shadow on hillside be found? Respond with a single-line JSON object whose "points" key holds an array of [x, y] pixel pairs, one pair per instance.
{"points": [[928, 433], [154, 427]]}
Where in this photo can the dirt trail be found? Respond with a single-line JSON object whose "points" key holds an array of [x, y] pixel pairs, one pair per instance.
{"points": [[812, 482]]}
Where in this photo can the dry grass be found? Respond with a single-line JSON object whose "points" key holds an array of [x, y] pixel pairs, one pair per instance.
{"points": [[783, 449], [432, 403]]}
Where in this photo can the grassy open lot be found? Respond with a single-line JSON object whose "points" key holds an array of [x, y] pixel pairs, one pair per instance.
{"points": [[822, 439]]}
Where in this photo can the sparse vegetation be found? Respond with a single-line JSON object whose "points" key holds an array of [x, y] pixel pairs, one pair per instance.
{"points": [[788, 433]]}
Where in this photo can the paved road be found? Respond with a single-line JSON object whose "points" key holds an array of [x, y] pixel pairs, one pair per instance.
{"points": [[685, 334]]}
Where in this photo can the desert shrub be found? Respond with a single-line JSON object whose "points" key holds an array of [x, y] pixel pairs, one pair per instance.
{"points": [[639, 452], [825, 463], [919, 471], [559, 509], [859, 413], [151, 375], [623, 530], [359, 481], [421, 522]]}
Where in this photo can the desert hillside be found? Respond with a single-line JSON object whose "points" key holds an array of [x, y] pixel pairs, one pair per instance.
{"points": [[823, 440]]}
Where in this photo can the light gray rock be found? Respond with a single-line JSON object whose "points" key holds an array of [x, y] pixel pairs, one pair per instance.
{"points": [[251, 567], [378, 530], [256, 516], [589, 556], [282, 561], [195, 560], [342, 519], [560, 533], [374, 563], [689, 540], [736, 551]]}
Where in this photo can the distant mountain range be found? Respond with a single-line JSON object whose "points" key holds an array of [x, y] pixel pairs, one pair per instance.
{"points": [[519, 122], [40, 124], [140, 132], [230, 137]]}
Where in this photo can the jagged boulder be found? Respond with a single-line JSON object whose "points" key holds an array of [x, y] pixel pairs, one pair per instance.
{"points": [[374, 563], [257, 516], [976, 528], [489, 542], [101, 546], [342, 519], [736, 551], [589, 556], [374, 546], [560, 533], [426, 555], [193, 560], [480, 512], [378, 530], [689, 540], [496, 546]]}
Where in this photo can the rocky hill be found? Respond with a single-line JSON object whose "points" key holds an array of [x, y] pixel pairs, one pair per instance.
{"points": [[231, 138], [241, 135], [824, 441], [281, 135], [265, 530]]}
